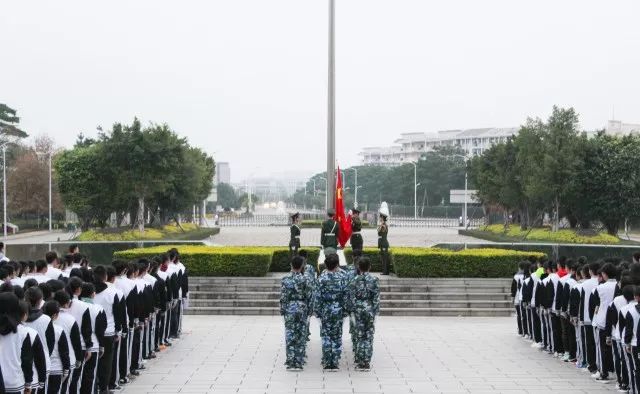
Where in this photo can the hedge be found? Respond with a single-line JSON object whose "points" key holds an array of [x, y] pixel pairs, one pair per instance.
{"points": [[189, 231], [467, 263], [544, 234], [406, 262], [212, 261]]}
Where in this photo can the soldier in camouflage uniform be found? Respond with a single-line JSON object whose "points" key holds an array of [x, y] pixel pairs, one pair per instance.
{"points": [[310, 272], [363, 302], [295, 305], [350, 273], [329, 307]]}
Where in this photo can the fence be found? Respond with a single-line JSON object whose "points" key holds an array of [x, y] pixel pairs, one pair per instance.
{"points": [[284, 220]]}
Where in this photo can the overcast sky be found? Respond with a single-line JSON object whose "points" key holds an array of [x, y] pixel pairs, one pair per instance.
{"points": [[246, 79]]}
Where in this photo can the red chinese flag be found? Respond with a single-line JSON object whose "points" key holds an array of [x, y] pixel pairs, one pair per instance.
{"points": [[344, 222]]}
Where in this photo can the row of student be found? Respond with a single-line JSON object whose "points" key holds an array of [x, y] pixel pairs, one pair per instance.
{"points": [[89, 332], [585, 313], [333, 296]]}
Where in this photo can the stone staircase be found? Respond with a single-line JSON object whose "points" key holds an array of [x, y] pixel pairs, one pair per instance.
{"points": [[399, 297]]}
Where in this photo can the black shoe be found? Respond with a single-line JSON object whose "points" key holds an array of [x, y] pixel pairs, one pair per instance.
{"points": [[134, 373], [124, 380], [115, 388], [152, 355]]}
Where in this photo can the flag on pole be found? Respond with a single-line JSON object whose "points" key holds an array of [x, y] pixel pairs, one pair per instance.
{"points": [[344, 221]]}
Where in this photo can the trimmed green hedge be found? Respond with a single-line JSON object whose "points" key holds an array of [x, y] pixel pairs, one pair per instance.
{"points": [[405, 262], [212, 261], [468, 263]]}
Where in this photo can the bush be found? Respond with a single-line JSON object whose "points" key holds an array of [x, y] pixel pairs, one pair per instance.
{"points": [[468, 263], [170, 231], [212, 261], [406, 262], [544, 234]]}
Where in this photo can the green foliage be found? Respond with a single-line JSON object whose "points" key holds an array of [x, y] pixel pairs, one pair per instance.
{"points": [[438, 171], [212, 261], [550, 168], [468, 263], [544, 234], [227, 197], [169, 232], [132, 169], [8, 124], [408, 262]]}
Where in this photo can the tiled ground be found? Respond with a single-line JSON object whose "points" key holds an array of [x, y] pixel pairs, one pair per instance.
{"points": [[244, 354]]}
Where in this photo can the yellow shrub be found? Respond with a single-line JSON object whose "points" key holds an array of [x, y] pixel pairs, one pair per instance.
{"points": [[544, 234]]}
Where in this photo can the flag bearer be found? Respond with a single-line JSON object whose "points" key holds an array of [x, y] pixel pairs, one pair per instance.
{"points": [[329, 235], [356, 226]]}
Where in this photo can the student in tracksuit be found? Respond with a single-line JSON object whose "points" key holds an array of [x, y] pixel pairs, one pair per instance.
{"points": [[568, 330], [601, 298], [98, 325], [630, 338], [534, 317], [574, 316], [107, 297], [72, 331], [160, 296], [125, 284], [16, 358], [60, 354], [516, 295], [613, 328], [588, 286], [43, 325], [41, 360]]}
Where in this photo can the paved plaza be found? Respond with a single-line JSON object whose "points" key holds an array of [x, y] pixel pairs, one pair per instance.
{"points": [[245, 354], [398, 236]]}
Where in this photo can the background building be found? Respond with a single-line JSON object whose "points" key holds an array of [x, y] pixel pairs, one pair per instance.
{"points": [[617, 127], [410, 146], [223, 172]]}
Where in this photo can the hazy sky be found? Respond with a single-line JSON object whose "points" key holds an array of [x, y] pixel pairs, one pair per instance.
{"points": [[246, 79]]}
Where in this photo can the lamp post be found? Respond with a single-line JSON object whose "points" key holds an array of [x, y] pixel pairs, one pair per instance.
{"points": [[50, 190], [326, 193], [415, 190], [355, 187], [4, 188]]}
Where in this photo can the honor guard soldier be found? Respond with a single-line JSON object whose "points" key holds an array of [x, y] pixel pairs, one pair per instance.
{"points": [[294, 241], [383, 243], [356, 227], [329, 236]]}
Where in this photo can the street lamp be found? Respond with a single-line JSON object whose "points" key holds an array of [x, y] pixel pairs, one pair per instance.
{"points": [[4, 188], [49, 156], [326, 193], [415, 190], [355, 187]]}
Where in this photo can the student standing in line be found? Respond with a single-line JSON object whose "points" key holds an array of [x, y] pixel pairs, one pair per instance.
{"points": [[587, 289], [630, 338], [107, 297], [329, 306], [43, 325], [296, 293], [363, 301], [60, 354], [16, 358], [601, 298], [72, 331], [612, 331], [98, 326]]}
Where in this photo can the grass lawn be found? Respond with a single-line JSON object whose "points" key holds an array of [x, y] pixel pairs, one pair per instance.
{"points": [[188, 232], [497, 233]]}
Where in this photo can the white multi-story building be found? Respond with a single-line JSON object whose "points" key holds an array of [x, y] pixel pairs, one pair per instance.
{"points": [[617, 127], [223, 172], [410, 146]]}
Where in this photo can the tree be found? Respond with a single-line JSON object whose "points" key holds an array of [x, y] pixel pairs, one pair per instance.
{"points": [[243, 201], [8, 124], [227, 197]]}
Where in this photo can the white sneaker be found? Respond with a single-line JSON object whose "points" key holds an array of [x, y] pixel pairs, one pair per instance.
{"points": [[595, 375]]}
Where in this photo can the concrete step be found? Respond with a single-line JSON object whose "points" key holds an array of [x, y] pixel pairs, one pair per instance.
{"points": [[232, 311], [478, 312], [226, 288], [388, 295], [418, 304], [238, 295], [416, 288]]}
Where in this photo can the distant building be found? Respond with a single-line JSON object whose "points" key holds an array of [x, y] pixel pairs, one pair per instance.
{"points": [[410, 146], [223, 172], [617, 127]]}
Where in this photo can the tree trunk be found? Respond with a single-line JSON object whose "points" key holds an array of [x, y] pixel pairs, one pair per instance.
{"points": [[140, 217], [556, 214]]}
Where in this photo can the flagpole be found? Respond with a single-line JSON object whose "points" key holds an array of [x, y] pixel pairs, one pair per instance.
{"points": [[331, 121]]}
